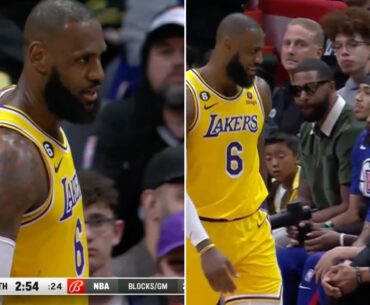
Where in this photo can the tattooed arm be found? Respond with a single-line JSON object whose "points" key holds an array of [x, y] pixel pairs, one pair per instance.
{"points": [[23, 187]]}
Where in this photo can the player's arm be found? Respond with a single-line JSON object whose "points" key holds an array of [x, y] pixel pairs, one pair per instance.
{"points": [[190, 109], [352, 214], [23, 187], [194, 228], [216, 267], [265, 93], [364, 236], [328, 213]]}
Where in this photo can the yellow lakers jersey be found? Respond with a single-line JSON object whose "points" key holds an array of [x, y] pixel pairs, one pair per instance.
{"points": [[51, 241], [223, 177]]}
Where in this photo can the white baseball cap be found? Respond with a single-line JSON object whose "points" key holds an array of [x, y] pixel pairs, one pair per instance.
{"points": [[172, 16]]}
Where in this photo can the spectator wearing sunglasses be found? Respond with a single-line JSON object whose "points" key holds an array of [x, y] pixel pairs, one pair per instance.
{"points": [[326, 140], [344, 278], [350, 32], [303, 38]]}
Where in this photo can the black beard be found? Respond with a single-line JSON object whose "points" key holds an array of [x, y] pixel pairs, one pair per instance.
{"points": [[237, 74], [319, 111], [173, 96], [65, 105]]}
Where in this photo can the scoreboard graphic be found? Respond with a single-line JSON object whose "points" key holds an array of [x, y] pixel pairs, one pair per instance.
{"points": [[92, 286]]}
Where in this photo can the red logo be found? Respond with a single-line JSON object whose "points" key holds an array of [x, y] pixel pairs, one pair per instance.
{"points": [[76, 286]]}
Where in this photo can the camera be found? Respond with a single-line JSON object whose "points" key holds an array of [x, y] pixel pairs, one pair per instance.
{"points": [[294, 214]]}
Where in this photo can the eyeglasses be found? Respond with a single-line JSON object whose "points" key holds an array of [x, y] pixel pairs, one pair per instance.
{"points": [[98, 224], [309, 88], [350, 45]]}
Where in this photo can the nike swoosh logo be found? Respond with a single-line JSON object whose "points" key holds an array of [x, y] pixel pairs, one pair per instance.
{"points": [[58, 166], [362, 147], [209, 106], [304, 287]]}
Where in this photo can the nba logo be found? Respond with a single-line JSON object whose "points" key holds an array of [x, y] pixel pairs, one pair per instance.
{"points": [[368, 182], [76, 286], [249, 95]]}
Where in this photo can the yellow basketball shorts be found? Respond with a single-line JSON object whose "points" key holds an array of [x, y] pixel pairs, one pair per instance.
{"points": [[250, 247]]}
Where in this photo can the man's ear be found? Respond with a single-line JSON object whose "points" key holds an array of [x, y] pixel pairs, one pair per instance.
{"points": [[150, 205], [119, 227], [39, 57], [319, 51], [228, 43]]}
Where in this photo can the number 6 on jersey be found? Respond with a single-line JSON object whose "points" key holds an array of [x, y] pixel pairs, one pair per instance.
{"points": [[234, 163]]}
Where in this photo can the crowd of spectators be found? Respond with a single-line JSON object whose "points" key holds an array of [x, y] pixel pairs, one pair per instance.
{"points": [[317, 153], [131, 160]]}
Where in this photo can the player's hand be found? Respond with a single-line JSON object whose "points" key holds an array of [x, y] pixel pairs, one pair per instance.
{"points": [[292, 232], [344, 278], [321, 240], [330, 290], [219, 271], [329, 259], [314, 226]]}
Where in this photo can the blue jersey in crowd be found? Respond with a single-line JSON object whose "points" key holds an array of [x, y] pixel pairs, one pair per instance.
{"points": [[361, 168]]}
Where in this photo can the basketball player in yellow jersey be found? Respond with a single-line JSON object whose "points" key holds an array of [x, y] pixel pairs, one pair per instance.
{"points": [[226, 107], [42, 229]]}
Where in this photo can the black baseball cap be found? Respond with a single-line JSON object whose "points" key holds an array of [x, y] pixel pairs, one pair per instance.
{"points": [[166, 166]]}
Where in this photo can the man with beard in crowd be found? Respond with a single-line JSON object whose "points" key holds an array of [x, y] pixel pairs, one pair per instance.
{"points": [[226, 107], [130, 132], [42, 228], [303, 38], [326, 141]]}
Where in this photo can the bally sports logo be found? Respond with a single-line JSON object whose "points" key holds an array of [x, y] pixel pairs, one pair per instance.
{"points": [[76, 286]]}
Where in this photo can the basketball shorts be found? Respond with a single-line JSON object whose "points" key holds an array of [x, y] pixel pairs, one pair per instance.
{"points": [[250, 247]]}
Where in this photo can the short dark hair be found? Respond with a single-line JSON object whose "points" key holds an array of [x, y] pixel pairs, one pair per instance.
{"points": [[291, 141], [314, 64], [97, 188], [235, 24], [49, 16], [350, 21]]}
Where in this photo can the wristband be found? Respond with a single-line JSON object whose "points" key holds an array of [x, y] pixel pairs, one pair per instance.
{"points": [[358, 275], [194, 228], [341, 239], [7, 247], [206, 249]]}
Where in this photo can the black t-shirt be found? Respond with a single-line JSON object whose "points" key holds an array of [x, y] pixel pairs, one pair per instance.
{"points": [[285, 112]]}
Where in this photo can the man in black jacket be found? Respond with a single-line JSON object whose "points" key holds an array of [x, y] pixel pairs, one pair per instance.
{"points": [[130, 132]]}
